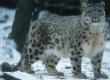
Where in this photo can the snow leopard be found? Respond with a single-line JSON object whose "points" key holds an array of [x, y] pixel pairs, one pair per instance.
{"points": [[51, 38]]}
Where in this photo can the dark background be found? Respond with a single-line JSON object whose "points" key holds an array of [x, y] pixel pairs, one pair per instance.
{"points": [[13, 3]]}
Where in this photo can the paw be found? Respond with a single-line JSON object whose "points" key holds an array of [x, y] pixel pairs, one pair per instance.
{"points": [[101, 75], [56, 74], [30, 72], [80, 76], [24, 69]]}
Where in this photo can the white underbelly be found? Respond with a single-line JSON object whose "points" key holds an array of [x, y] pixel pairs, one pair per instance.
{"points": [[60, 53], [90, 49]]}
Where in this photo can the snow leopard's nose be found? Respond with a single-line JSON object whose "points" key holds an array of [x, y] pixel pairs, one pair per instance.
{"points": [[95, 20], [96, 24]]}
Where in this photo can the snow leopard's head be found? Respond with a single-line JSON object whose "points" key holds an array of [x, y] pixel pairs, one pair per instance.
{"points": [[93, 14]]}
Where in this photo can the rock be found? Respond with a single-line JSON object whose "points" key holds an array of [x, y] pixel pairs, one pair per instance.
{"points": [[4, 18], [6, 67]]}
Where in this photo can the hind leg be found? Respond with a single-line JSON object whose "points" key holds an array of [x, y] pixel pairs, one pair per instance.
{"points": [[96, 63], [26, 62], [24, 65], [28, 57], [51, 62]]}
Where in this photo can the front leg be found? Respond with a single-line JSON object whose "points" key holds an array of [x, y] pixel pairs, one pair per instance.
{"points": [[96, 63], [76, 61], [51, 63]]}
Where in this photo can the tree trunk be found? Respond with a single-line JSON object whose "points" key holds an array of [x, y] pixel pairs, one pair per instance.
{"points": [[21, 22], [107, 7]]}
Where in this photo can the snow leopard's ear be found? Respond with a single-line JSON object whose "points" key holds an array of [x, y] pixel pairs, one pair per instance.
{"points": [[102, 4], [84, 5]]}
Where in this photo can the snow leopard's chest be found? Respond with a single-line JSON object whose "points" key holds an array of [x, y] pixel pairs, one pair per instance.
{"points": [[94, 45]]}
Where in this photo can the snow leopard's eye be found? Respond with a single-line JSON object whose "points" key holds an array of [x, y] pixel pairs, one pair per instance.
{"points": [[87, 20], [100, 12]]}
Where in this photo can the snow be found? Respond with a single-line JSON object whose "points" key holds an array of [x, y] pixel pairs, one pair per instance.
{"points": [[9, 54], [7, 47]]}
